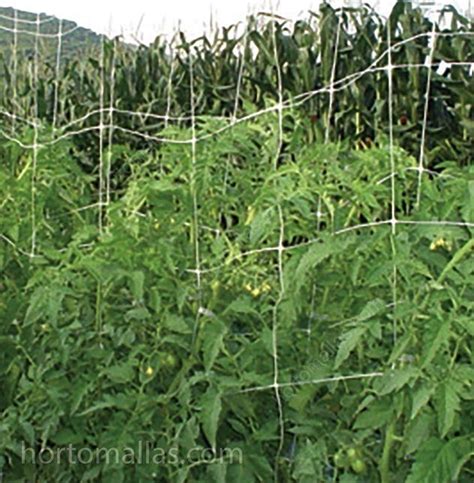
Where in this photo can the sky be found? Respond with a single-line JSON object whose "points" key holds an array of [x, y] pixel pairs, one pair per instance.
{"points": [[145, 19]]}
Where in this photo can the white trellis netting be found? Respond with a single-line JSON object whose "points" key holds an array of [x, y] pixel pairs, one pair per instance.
{"points": [[109, 123]]}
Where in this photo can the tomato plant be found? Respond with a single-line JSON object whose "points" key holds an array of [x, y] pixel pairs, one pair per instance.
{"points": [[253, 301]]}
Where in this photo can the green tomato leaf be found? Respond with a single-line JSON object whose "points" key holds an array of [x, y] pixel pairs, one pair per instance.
{"points": [[371, 309], [211, 405], [348, 343], [448, 404], [395, 379], [437, 333], [377, 415], [438, 461], [213, 334], [421, 398]]}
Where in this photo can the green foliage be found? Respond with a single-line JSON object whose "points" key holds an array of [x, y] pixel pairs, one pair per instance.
{"points": [[440, 461], [142, 301], [108, 341], [156, 79]]}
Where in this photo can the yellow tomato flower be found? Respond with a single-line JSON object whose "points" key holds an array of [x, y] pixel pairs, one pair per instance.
{"points": [[266, 287], [256, 291], [441, 243]]}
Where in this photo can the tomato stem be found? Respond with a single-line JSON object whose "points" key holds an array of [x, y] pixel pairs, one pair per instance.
{"points": [[387, 447]]}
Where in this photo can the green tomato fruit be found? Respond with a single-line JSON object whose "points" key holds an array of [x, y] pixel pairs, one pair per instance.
{"points": [[352, 453], [358, 466], [169, 360], [339, 459]]}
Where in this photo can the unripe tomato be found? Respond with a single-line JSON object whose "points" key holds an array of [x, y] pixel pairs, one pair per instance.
{"points": [[340, 459], [352, 453], [169, 360], [358, 466]]}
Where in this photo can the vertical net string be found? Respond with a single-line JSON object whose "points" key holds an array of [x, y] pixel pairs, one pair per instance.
{"points": [[111, 124], [333, 77], [58, 71], [169, 86], [195, 219], [393, 220], [101, 133], [35, 136], [14, 70], [421, 158], [276, 386]]}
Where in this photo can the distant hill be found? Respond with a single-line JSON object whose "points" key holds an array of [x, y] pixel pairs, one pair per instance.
{"points": [[74, 41]]}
